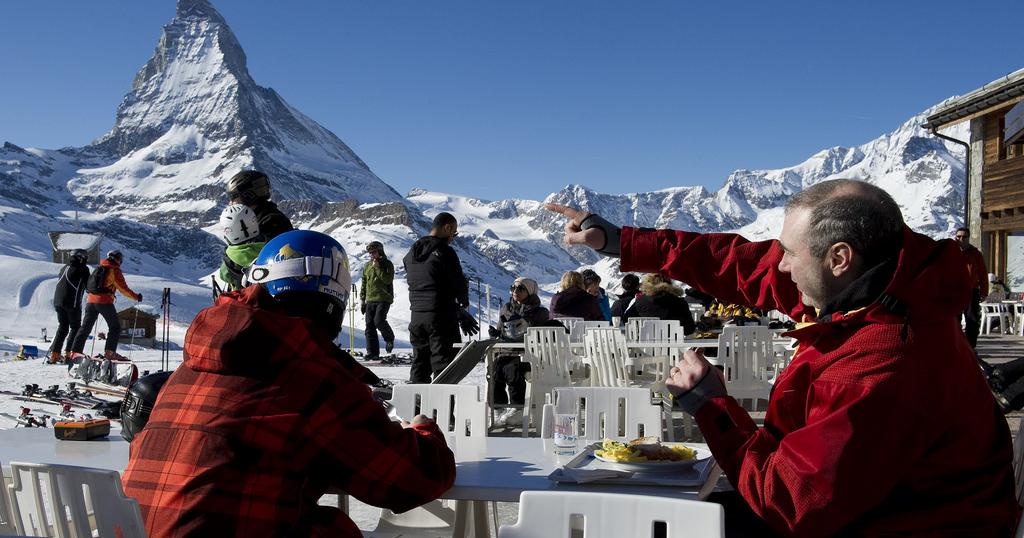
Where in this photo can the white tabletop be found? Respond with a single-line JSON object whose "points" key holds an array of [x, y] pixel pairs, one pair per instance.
{"points": [[487, 468]]}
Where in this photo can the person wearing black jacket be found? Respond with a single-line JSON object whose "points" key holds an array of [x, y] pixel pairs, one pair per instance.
{"points": [[522, 311], [574, 301], [67, 301], [252, 188], [661, 300], [437, 291], [630, 287]]}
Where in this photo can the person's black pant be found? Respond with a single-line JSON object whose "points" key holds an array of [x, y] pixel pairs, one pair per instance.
{"points": [[510, 371], [1008, 378], [972, 318], [68, 322], [432, 335], [92, 311], [377, 320]]}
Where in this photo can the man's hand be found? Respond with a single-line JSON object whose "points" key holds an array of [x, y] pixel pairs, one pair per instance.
{"points": [[418, 419], [693, 381], [687, 372], [362, 308], [588, 229], [574, 235]]}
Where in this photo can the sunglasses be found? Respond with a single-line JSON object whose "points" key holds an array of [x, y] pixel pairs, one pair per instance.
{"points": [[514, 289]]}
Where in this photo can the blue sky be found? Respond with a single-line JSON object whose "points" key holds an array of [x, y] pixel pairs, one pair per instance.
{"points": [[515, 99]]}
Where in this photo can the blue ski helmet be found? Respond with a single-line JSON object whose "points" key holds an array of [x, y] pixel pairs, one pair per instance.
{"points": [[302, 261]]}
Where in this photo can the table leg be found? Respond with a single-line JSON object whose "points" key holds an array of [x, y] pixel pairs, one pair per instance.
{"points": [[471, 520]]}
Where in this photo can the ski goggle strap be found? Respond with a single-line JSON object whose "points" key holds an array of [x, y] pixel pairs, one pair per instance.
{"points": [[296, 268]]}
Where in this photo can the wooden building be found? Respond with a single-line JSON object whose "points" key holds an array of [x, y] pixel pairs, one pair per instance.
{"points": [[140, 322], [994, 211], [64, 243]]}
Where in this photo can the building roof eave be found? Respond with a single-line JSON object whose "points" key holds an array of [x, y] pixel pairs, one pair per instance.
{"points": [[992, 95]]}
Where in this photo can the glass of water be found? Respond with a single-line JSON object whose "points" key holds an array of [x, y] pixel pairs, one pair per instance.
{"points": [[566, 433]]}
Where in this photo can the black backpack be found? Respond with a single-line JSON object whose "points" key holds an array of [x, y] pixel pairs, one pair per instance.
{"points": [[96, 280]]}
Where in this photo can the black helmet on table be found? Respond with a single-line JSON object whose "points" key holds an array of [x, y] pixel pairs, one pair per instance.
{"points": [[115, 256], [249, 187], [138, 403], [79, 256]]}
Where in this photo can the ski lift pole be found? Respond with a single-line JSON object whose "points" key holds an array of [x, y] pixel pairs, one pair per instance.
{"points": [[487, 294], [352, 320], [165, 305], [479, 310]]}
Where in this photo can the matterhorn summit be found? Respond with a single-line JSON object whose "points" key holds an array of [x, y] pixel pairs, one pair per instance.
{"points": [[194, 116]]}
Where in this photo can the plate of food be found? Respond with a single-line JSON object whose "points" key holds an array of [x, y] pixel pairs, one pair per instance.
{"points": [[648, 454]]}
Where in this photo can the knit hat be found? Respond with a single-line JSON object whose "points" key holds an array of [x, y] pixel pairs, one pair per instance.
{"points": [[529, 283]]}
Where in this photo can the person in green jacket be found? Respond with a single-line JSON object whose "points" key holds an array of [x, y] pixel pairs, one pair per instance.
{"points": [[376, 293], [241, 230]]}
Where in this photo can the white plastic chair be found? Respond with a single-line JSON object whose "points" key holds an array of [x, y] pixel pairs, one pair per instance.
{"points": [[7, 527], [994, 312], [563, 514], [620, 413], [67, 501], [547, 351], [749, 359], [658, 359], [1018, 316], [580, 328], [568, 321], [457, 409], [606, 350], [633, 326]]}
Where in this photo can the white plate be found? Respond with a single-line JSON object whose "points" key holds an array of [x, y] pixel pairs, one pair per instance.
{"points": [[654, 466]]}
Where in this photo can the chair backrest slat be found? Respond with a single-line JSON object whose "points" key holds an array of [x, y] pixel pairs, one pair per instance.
{"points": [[620, 413], [606, 349]]}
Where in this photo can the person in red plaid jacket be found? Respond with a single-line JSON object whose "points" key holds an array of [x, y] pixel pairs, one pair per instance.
{"points": [[266, 414]]}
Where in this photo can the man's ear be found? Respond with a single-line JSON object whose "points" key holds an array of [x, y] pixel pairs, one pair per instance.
{"points": [[840, 258]]}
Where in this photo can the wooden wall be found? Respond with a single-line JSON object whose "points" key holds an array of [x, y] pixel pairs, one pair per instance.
{"points": [[1002, 196]]}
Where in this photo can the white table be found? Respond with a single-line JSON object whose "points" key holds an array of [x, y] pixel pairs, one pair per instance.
{"points": [[487, 468]]}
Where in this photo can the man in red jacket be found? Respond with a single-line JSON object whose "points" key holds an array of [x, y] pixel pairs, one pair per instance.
{"points": [[102, 284], [882, 424], [266, 414], [977, 275]]}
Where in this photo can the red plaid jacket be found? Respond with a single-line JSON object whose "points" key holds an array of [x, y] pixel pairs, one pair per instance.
{"points": [[882, 425], [263, 416]]}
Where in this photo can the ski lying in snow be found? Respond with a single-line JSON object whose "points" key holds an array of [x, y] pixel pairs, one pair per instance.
{"points": [[101, 389], [28, 420], [118, 373]]}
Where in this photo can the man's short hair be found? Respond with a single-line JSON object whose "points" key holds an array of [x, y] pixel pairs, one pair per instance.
{"points": [[962, 229], [442, 219], [853, 212]]}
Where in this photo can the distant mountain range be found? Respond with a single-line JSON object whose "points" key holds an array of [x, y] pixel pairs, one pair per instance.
{"points": [[194, 116]]}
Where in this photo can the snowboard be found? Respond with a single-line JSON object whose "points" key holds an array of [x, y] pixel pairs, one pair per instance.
{"points": [[468, 357]]}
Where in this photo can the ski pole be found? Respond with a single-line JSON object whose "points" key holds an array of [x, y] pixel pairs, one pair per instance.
{"points": [[135, 323]]}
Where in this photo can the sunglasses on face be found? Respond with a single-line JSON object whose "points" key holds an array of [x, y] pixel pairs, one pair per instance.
{"points": [[520, 287]]}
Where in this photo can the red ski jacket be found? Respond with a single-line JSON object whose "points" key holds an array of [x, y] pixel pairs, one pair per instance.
{"points": [[114, 281], [263, 416], [977, 274], [882, 424]]}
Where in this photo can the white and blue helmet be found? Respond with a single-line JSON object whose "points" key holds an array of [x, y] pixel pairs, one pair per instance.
{"points": [[303, 261]]}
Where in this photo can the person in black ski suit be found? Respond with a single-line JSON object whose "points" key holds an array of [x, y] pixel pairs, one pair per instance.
{"points": [[661, 300], [252, 188], [438, 289], [67, 301], [630, 287], [523, 310]]}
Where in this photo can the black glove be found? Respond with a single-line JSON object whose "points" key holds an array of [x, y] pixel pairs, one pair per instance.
{"points": [[493, 331], [611, 234], [362, 308], [468, 325], [140, 297]]}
